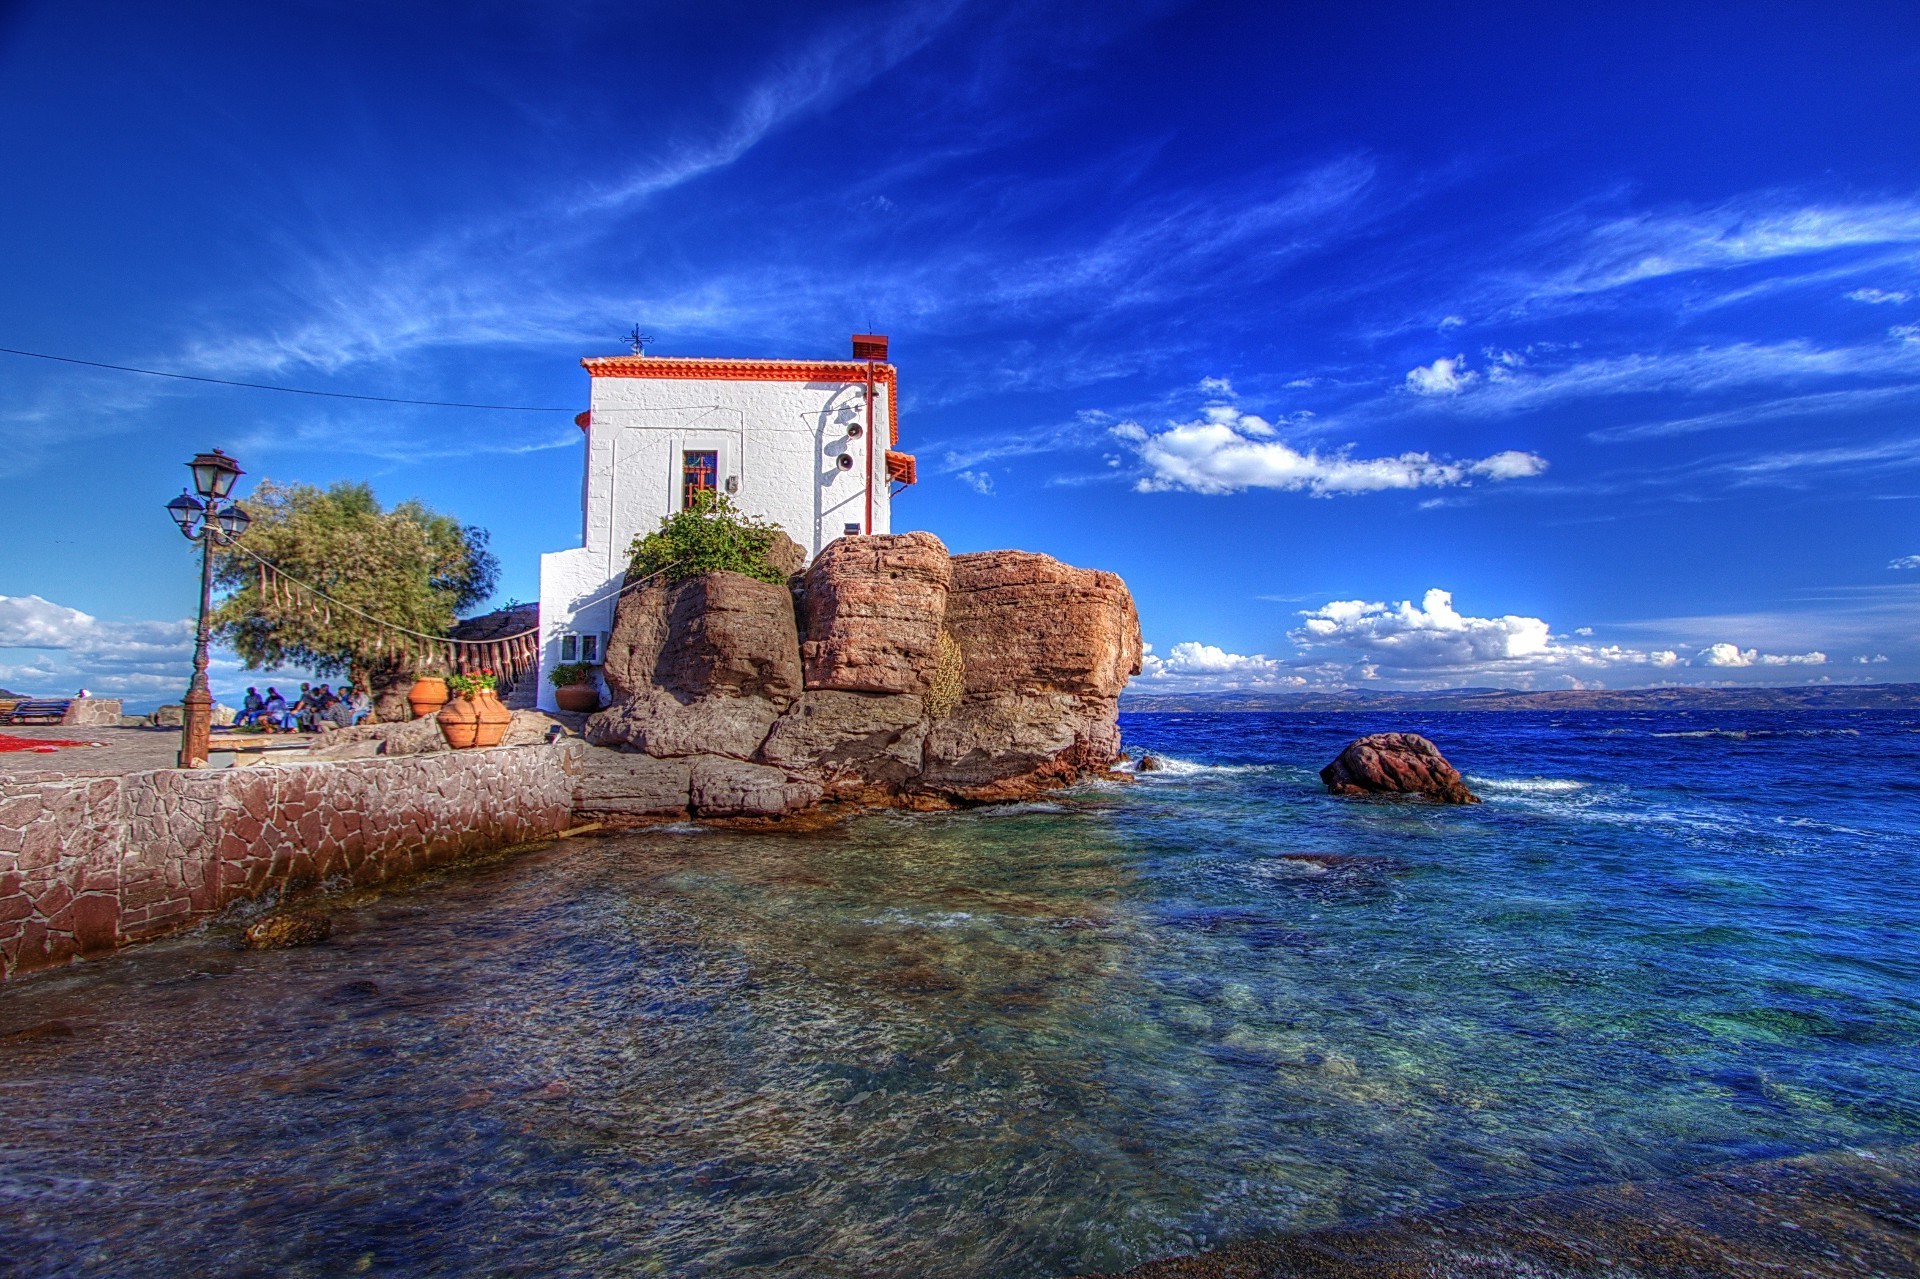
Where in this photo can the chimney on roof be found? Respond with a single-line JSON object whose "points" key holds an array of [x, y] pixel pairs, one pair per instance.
{"points": [[869, 346]]}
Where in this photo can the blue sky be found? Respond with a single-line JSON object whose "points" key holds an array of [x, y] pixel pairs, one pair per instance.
{"points": [[1434, 346]]}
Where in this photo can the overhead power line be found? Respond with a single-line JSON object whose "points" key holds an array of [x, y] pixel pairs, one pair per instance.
{"points": [[289, 390]]}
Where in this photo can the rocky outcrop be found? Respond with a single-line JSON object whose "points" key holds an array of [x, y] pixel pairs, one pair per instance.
{"points": [[875, 607], [1396, 764], [889, 673]]}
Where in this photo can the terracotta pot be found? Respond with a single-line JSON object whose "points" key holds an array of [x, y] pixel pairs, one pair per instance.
{"points": [[460, 723], [427, 696], [495, 718], [477, 719], [579, 698]]}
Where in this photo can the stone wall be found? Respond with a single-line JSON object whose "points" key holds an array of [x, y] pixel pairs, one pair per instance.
{"points": [[91, 863]]}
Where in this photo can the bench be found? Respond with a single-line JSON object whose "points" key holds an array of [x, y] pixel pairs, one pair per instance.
{"points": [[47, 710]]}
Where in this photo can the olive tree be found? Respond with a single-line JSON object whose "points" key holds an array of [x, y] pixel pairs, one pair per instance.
{"points": [[411, 566]]}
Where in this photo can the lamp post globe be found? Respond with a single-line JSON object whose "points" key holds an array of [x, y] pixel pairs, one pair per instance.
{"points": [[214, 474], [211, 520], [186, 512]]}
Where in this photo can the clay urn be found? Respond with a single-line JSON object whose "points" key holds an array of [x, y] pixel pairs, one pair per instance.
{"points": [[474, 719], [428, 694], [582, 698]]}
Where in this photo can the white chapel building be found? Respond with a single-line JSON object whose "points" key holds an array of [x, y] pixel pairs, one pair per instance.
{"points": [[805, 444]]}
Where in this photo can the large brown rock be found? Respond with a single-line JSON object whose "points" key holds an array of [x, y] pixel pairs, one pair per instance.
{"points": [[874, 609], [731, 788], [1008, 745], [1045, 650], [1396, 764], [704, 666], [655, 721], [1028, 623], [711, 674], [849, 740], [621, 784]]}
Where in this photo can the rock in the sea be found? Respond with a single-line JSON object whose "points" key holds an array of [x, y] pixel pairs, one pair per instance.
{"points": [[1396, 764], [875, 606], [1149, 764], [286, 928]]}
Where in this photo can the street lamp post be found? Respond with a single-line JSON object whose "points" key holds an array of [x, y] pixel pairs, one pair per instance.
{"points": [[211, 519]]}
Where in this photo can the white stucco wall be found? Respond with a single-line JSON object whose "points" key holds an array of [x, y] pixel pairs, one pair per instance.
{"points": [[781, 442]]}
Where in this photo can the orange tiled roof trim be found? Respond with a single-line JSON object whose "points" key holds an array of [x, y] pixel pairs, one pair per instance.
{"points": [[666, 366]]}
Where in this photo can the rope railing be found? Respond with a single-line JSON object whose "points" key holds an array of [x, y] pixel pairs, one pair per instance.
{"points": [[510, 657]]}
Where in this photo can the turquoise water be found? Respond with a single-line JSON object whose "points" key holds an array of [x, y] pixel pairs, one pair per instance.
{"points": [[1038, 1040]]}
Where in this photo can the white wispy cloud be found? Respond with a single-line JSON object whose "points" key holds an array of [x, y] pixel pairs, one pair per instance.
{"points": [[1625, 251], [1905, 561], [1700, 370], [1224, 451], [979, 481], [1880, 297]]}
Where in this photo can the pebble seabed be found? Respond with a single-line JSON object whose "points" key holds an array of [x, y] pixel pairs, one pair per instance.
{"points": [[1650, 1010]]}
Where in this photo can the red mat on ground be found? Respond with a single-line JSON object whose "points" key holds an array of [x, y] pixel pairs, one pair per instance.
{"points": [[8, 742]]}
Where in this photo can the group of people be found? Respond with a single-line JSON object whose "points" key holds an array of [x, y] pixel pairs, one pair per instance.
{"points": [[315, 706]]}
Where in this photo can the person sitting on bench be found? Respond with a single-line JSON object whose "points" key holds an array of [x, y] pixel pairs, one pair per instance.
{"points": [[274, 711], [250, 708]]}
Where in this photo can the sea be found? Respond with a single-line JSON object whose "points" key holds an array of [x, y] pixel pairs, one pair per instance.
{"points": [[1140, 1018]]}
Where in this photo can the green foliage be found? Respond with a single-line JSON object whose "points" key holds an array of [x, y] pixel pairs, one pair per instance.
{"points": [[709, 536], [949, 679], [570, 673], [411, 566]]}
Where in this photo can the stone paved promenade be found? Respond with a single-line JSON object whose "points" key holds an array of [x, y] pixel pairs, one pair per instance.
{"points": [[123, 750]]}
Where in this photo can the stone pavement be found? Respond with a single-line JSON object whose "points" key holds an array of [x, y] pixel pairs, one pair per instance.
{"points": [[123, 750]]}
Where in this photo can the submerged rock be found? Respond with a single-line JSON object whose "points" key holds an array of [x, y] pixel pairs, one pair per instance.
{"points": [[1396, 764], [283, 929]]}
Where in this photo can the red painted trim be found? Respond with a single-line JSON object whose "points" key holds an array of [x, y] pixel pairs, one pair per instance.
{"points": [[670, 367], [902, 467]]}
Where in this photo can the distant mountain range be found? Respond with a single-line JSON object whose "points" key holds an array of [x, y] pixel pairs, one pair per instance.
{"points": [[1808, 697]]}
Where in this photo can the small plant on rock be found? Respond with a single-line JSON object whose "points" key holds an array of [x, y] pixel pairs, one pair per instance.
{"points": [[949, 679], [709, 536]]}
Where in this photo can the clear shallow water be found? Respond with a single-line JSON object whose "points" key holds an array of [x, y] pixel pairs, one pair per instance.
{"points": [[1040, 1040]]}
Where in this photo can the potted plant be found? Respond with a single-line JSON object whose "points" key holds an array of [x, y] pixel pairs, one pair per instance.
{"points": [[574, 688], [428, 694], [474, 715]]}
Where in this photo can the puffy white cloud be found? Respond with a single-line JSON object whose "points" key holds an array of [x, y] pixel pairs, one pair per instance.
{"points": [[1226, 451], [1428, 635], [1880, 297], [1216, 386], [979, 481], [1190, 666], [1724, 654], [1432, 642], [1905, 561], [1443, 377]]}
